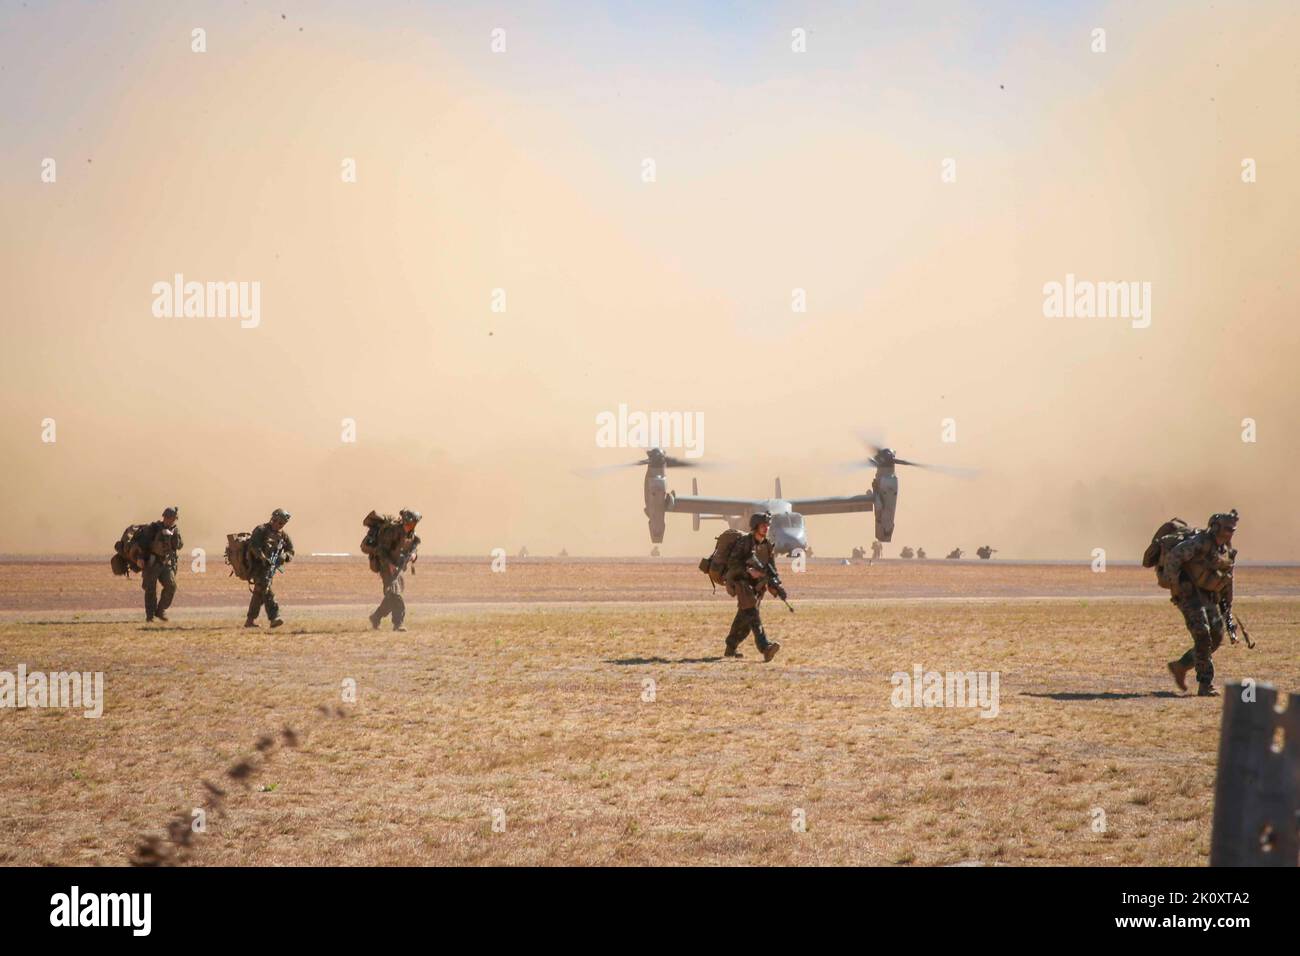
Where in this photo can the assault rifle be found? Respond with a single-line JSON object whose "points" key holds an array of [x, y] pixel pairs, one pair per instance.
{"points": [[408, 556], [1237, 622], [275, 565], [772, 578], [164, 546]]}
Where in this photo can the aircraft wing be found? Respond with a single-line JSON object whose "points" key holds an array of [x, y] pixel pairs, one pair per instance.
{"points": [[699, 505], [846, 504]]}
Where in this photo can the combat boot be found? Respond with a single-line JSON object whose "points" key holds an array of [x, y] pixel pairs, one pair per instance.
{"points": [[731, 651], [251, 623], [399, 627], [1179, 670], [769, 652], [1207, 690], [160, 615], [374, 621], [276, 623]]}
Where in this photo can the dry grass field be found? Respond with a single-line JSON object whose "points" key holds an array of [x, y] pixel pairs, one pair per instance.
{"points": [[540, 718]]}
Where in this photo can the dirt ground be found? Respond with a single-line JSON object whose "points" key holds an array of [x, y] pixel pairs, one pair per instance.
{"points": [[89, 585], [600, 726]]}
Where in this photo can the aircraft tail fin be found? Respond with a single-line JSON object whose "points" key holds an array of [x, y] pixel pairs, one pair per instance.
{"points": [[778, 488]]}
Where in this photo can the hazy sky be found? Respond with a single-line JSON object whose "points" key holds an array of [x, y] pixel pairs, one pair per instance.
{"points": [[522, 170]]}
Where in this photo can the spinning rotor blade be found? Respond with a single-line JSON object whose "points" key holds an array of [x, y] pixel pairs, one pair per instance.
{"points": [[951, 470], [880, 454], [598, 470], [668, 461]]}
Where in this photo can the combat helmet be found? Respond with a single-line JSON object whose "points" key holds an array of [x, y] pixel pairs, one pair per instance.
{"points": [[279, 514], [1222, 520], [409, 517], [173, 511], [758, 518]]}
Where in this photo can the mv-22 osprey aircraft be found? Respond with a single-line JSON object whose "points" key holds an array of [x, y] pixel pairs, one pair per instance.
{"points": [[787, 528]]}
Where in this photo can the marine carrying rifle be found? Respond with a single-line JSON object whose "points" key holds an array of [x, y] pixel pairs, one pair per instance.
{"points": [[772, 578]]}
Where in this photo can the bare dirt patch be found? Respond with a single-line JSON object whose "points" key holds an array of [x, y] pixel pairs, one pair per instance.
{"points": [[88, 585], [539, 715]]}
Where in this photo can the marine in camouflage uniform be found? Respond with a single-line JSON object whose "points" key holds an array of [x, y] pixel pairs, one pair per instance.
{"points": [[159, 542], [263, 544], [396, 550], [1201, 568], [748, 586]]}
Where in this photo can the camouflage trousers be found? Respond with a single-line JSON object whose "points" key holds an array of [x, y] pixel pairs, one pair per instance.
{"points": [[1206, 625], [157, 572], [748, 598], [393, 602], [263, 596]]}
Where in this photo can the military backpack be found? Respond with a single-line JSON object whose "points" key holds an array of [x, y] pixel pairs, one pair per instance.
{"points": [[237, 555], [1167, 537], [375, 523], [715, 565], [128, 553]]}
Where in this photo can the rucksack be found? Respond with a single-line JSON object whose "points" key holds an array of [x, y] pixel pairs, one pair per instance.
{"points": [[1167, 537], [375, 523], [237, 555], [715, 565], [127, 550]]}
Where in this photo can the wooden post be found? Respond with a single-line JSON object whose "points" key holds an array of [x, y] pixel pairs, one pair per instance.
{"points": [[1257, 790]]}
